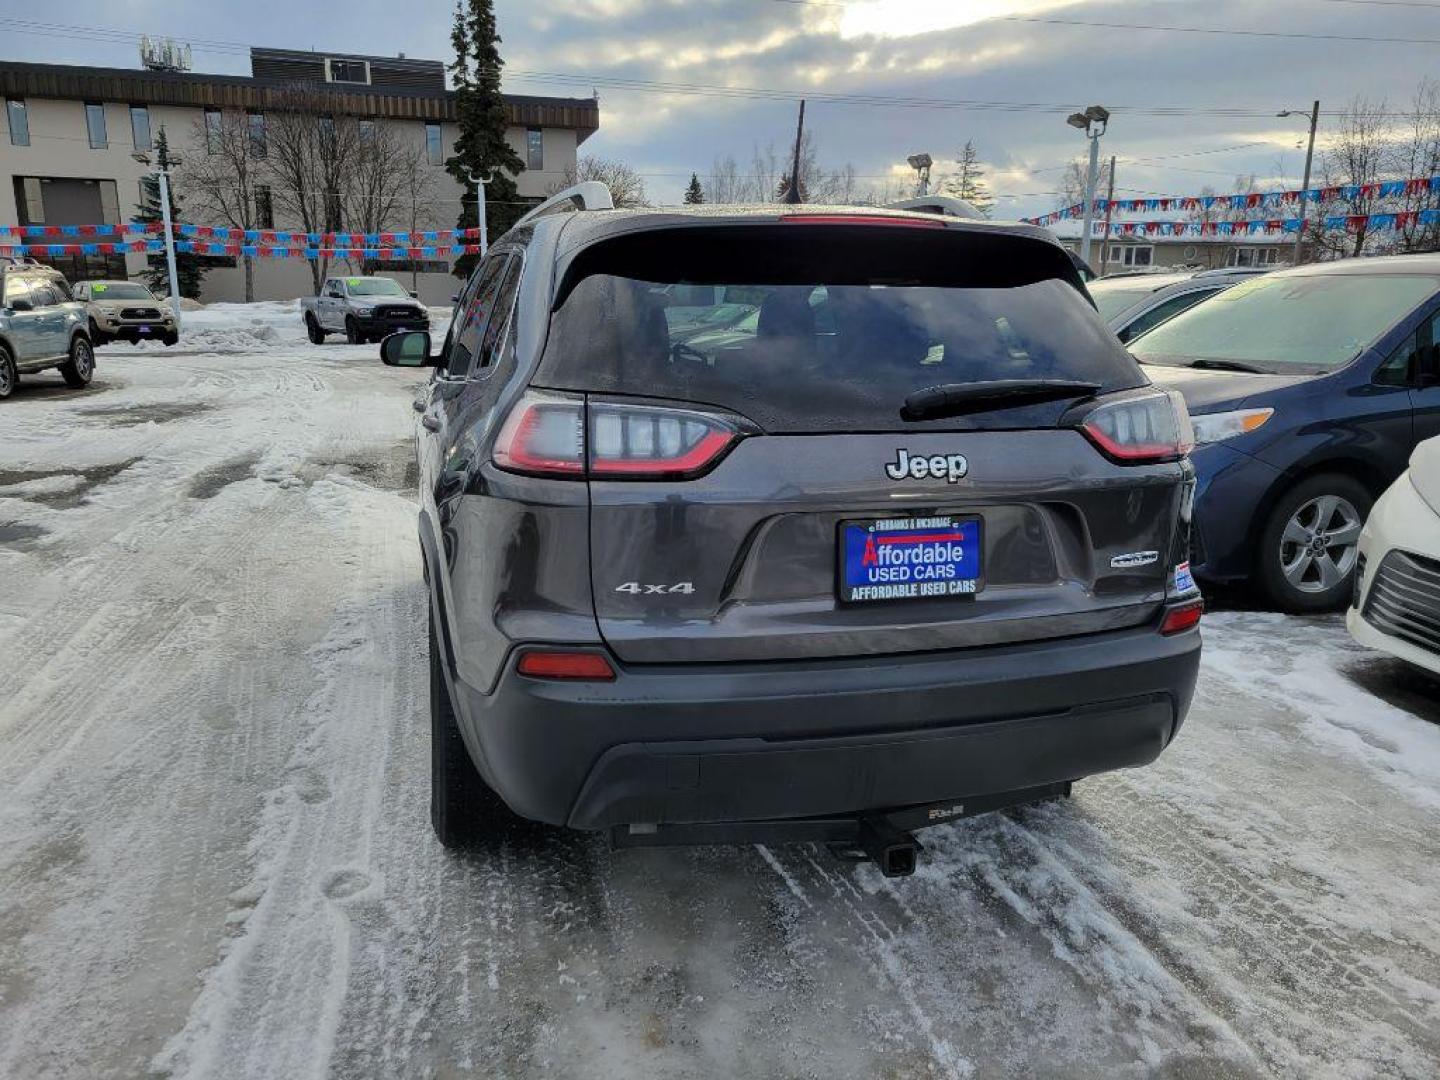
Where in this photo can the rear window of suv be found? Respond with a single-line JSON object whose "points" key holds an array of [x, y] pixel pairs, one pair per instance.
{"points": [[824, 328]]}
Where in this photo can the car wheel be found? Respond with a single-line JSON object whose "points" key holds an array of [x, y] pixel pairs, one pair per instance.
{"points": [[96, 335], [461, 804], [313, 331], [1311, 544], [352, 331], [80, 368], [9, 377]]}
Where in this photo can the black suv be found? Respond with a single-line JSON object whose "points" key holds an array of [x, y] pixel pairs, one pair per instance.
{"points": [[791, 522]]}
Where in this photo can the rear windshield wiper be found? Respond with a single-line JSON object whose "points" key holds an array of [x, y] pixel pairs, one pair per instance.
{"points": [[1224, 365], [958, 399]]}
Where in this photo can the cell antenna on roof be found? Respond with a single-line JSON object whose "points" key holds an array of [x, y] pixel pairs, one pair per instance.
{"points": [[163, 54]]}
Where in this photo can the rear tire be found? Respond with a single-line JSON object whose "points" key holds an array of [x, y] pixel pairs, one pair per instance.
{"points": [[462, 806], [352, 331], [1300, 574], [313, 331], [80, 368], [9, 377]]}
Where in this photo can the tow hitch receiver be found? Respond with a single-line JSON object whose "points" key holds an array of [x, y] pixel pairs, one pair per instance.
{"points": [[893, 850]]}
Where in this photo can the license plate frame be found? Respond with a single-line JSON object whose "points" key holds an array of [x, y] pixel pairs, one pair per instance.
{"points": [[910, 531]]}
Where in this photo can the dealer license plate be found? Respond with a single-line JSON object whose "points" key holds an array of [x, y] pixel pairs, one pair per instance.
{"points": [[910, 558]]}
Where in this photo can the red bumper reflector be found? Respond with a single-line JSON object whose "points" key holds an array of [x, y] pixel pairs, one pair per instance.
{"points": [[553, 664], [1179, 619]]}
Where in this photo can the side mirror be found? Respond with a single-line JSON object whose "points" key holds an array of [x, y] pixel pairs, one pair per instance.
{"points": [[333, 295], [20, 305], [409, 348], [414, 295], [455, 298]]}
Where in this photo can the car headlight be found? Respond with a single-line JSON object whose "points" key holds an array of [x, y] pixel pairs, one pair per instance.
{"points": [[1217, 427], [359, 310]]}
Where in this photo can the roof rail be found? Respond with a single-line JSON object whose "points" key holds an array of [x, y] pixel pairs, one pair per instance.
{"points": [[591, 195], [944, 205]]}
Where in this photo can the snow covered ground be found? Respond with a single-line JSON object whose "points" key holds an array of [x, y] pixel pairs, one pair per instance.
{"points": [[215, 859]]}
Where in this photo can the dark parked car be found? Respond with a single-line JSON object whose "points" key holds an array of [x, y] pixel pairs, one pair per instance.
{"points": [[907, 549], [1133, 304], [1309, 389]]}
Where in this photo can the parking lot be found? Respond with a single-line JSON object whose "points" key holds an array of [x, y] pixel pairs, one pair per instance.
{"points": [[215, 858]]}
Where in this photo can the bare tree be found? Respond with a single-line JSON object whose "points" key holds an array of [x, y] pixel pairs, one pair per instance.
{"points": [[1072, 182], [385, 185], [1357, 155], [627, 187], [223, 176], [1418, 155], [727, 185], [311, 154]]}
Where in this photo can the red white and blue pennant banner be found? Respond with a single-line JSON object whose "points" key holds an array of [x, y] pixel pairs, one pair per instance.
{"points": [[1253, 200], [1384, 222], [255, 251], [267, 237]]}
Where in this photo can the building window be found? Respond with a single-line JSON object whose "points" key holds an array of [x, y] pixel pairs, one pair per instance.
{"points": [[29, 200], [433, 152], [19, 118], [256, 122], [351, 71], [95, 124], [367, 131], [140, 127], [264, 207], [1132, 254], [214, 130], [1249, 256], [534, 148]]}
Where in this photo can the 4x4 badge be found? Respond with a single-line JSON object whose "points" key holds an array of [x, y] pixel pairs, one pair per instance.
{"points": [[907, 466]]}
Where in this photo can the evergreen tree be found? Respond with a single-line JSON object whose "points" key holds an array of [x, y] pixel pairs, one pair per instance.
{"points": [[481, 149], [694, 194], [189, 270], [969, 183], [783, 188]]}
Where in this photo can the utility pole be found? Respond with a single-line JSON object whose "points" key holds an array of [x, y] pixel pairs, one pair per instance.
{"points": [[1305, 183], [792, 193], [1109, 209]]}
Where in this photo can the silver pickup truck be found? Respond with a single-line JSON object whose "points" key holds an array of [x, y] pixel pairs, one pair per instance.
{"points": [[363, 309]]}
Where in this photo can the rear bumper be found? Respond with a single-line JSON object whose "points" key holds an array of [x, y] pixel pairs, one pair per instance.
{"points": [[670, 744]]}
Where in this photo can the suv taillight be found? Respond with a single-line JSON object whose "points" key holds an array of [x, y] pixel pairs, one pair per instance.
{"points": [[1142, 430], [553, 435]]}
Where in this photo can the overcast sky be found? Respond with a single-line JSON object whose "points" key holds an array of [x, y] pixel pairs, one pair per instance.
{"points": [[950, 50]]}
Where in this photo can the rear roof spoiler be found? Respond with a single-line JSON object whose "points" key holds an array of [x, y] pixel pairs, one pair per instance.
{"points": [[591, 195]]}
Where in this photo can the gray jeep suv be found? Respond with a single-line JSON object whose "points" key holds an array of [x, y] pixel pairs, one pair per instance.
{"points": [[41, 326], [908, 548]]}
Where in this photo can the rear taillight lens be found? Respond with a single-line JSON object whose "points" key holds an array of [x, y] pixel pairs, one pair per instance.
{"points": [[548, 435], [544, 435], [1182, 617], [1140, 430]]}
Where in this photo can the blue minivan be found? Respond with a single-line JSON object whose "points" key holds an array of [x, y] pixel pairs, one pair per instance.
{"points": [[1309, 388]]}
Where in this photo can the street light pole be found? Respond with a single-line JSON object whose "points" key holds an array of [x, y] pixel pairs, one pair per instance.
{"points": [[480, 183], [1305, 183], [162, 172], [170, 246], [1109, 206], [1093, 122]]}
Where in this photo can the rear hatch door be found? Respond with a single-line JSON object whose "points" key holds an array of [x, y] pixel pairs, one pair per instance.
{"points": [[838, 525]]}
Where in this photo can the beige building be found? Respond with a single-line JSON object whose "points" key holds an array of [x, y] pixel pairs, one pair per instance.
{"points": [[1132, 252], [70, 133]]}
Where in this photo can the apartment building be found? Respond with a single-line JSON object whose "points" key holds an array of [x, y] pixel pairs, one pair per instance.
{"points": [[70, 133]]}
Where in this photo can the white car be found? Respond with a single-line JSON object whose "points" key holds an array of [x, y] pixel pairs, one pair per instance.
{"points": [[1397, 592]]}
